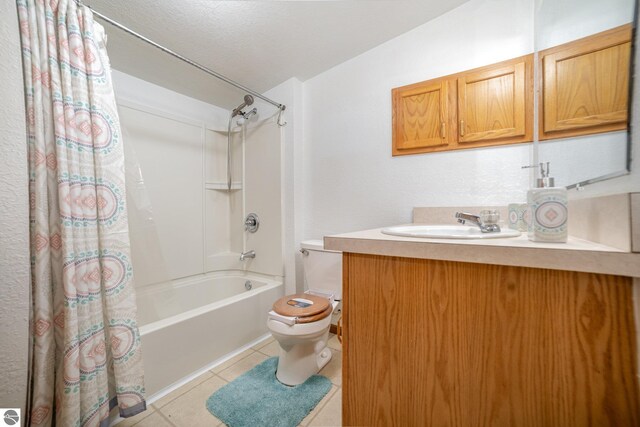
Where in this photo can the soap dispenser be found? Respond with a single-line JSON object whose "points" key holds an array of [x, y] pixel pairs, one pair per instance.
{"points": [[548, 210]]}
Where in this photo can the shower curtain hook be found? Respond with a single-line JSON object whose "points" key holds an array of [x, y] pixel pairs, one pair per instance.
{"points": [[280, 123]]}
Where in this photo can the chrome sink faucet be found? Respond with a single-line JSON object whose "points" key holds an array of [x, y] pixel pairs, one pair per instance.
{"points": [[249, 254], [487, 221]]}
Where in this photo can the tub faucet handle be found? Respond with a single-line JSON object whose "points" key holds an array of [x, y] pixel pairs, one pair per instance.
{"points": [[251, 223]]}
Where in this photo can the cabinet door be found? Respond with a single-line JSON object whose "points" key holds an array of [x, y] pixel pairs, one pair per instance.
{"points": [[421, 116], [585, 85], [443, 343], [492, 102]]}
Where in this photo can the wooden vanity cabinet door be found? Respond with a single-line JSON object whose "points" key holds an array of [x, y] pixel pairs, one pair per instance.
{"points": [[421, 116], [444, 343], [494, 102], [585, 85]]}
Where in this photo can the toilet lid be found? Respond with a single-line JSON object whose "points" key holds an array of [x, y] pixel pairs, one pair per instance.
{"points": [[303, 306]]}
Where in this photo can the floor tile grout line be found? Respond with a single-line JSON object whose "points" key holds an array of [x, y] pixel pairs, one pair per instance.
{"points": [[325, 403], [237, 375], [154, 404], [220, 378], [166, 418], [229, 367], [252, 351], [268, 355], [264, 344]]}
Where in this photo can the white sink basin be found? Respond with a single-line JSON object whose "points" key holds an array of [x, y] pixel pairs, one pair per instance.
{"points": [[447, 232]]}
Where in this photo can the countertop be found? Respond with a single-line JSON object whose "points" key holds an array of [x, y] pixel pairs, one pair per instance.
{"points": [[575, 255]]}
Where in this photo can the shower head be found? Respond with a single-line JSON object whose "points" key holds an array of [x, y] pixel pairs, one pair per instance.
{"points": [[248, 100]]}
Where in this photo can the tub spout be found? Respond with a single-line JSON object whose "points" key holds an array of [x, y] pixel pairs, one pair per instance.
{"points": [[249, 254]]}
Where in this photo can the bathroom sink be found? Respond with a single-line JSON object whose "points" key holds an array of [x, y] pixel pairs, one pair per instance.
{"points": [[447, 232]]}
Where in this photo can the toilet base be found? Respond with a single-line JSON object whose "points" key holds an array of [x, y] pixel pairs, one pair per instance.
{"points": [[297, 362]]}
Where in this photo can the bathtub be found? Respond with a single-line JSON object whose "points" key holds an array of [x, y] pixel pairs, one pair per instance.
{"points": [[188, 324]]}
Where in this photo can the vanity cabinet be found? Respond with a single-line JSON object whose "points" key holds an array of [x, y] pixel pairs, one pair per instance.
{"points": [[431, 342], [585, 85], [487, 106]]}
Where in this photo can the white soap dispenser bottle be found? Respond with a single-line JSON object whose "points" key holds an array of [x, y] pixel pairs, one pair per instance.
{"points": [[548, 210]]}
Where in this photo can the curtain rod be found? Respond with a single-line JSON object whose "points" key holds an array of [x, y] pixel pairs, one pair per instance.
{"points": [[180, 57]]}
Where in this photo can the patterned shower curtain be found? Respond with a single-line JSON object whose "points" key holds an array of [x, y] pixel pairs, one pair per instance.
{"points": [[86, 356]]}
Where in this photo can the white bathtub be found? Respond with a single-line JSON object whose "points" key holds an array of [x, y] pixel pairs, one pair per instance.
{"points": [[188, 324]]}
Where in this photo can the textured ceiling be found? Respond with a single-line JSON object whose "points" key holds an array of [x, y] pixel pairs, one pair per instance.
{"points": [[259, 44]]}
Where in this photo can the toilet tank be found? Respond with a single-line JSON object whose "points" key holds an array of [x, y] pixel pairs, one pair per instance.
{"points": [[322, 268]]}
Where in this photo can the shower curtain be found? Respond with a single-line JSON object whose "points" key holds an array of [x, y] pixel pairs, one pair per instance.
{"points": [[85, 356]]}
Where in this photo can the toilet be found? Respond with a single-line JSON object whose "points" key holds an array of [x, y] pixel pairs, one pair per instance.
{"points": [[300, 322]]}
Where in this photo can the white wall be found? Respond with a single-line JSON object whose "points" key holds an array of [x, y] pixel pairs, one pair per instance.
{"points": [[14, 217], [351, 181], [558, 22]]}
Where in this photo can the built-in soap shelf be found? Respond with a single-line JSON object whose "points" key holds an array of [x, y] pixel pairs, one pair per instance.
{"points": [[222, 186]]}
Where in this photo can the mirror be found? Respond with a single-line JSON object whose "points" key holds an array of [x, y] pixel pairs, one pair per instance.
{"points": [[582, 69]]}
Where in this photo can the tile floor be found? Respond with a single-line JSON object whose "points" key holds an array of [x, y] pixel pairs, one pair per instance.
{"points": [[185, 406]]}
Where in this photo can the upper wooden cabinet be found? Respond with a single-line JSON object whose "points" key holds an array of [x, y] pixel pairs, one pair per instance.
{"points": [[585, 85], [492, 102], [487, 106], [422, 115]]}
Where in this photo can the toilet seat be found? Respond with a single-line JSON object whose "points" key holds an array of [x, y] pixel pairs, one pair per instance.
{"points": [[304, 308]]}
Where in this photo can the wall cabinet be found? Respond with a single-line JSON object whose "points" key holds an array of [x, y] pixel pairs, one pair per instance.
{"points": [[434, 343], [584, 89], [423, 115], [491, 105], [585, 85]]}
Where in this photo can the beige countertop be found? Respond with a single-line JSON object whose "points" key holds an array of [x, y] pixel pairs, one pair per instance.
{"points": [[575, 255]]}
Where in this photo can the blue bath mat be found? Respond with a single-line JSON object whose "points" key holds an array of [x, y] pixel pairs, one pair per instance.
{"points": [[257, 398]]}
